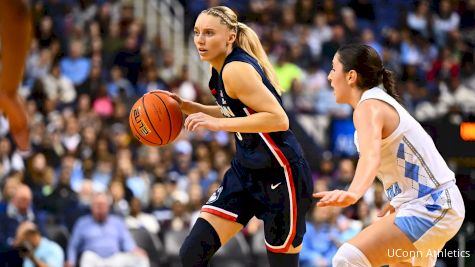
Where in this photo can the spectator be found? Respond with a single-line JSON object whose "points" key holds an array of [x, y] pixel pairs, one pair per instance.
{"points": [[18, 210], [128, 59], [93, 83], [101, 239], [445, 21], [318, 247], [287, 72], [320, 33], [352, 31], [63, 203], [76, 67], [344, 176], [10, 160], [9, 185], [181, 217], [444, 67], [121, 195], [152, 82], [304, 11], [118, 86], [167, 69], [138, 219], [185, 87], [159, 205], [37, 250], [420, 20], [38, 65], [58, 87], [112, 44], [45, 33], [456, 96]]}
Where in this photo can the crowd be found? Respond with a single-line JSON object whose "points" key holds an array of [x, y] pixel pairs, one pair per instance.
{"points": [[90, 61]]}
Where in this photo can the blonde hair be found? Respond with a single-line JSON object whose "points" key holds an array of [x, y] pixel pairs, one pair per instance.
{"points": [[247, 39]]}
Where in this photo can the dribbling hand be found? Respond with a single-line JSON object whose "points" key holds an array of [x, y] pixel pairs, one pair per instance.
{"points": [[170, 94], [337, 198]]}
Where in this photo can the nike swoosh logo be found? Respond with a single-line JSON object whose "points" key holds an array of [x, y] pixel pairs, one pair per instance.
{"points": [[274, 186]]}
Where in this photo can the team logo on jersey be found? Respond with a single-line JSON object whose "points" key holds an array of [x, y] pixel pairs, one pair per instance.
{"points": [[215, 195]]}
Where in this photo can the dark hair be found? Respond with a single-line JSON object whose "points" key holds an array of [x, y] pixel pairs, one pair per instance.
{"points": [[366, 62]]}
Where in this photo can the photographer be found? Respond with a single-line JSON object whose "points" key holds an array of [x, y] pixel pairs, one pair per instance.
{"points": [[36, 250]]}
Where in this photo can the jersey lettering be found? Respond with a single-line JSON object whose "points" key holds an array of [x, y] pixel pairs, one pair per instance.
{"points": [[228, 113], [393, 191]]}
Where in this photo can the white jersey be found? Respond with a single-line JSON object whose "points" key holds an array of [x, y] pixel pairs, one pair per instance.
{"points": [[411, 167]]}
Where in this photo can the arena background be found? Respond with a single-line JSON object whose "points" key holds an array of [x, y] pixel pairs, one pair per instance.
{"points": [[90, 61]]}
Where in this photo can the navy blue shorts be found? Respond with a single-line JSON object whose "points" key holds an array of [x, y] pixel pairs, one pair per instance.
{"points": [[279, 196]]}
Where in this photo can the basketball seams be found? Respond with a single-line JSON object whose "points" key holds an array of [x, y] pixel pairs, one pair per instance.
{"points": [[137, 132], [151, 124], [169, 117], [157, 124]]}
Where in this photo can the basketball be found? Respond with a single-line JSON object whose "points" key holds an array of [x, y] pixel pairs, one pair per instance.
{"points": [[156, 119]]}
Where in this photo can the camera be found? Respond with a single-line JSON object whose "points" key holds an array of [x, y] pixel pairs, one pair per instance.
{"points": [[25, 247]]}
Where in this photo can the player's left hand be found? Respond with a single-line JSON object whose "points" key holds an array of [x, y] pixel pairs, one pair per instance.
{"points": [[201, 120], [338, 198]]}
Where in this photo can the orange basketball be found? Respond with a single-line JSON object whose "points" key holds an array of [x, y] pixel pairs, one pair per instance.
{"points": [[156, 119]]}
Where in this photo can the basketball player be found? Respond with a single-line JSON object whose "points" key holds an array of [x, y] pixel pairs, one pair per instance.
{"points": [[269, 177], [427, 206], [15, 36]]}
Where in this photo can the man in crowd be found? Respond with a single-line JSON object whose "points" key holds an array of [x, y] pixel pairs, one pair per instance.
{"points": [[37, 251], [102, 239]]}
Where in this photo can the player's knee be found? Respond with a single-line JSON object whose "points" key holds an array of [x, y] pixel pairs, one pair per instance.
{"points": [[350, 256], [200, 245]]}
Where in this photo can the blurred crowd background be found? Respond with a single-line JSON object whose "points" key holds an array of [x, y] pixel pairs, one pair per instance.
{"points": [[90, 60]]}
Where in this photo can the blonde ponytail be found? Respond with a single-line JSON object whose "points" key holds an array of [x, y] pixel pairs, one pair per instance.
{"points": [[247, 39]]}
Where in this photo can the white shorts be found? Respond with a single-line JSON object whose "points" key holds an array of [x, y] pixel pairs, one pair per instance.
{"points": [[431, 221]]}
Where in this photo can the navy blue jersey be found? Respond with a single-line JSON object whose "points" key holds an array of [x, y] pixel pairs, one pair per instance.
{"points": [[254, 150]]}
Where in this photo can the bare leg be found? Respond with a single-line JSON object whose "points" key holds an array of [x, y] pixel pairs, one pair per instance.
{"points": [[15, 31], [226, 229], [380, 241]]}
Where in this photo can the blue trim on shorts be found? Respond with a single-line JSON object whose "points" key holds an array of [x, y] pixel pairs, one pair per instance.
{"points": [[414, 227]]}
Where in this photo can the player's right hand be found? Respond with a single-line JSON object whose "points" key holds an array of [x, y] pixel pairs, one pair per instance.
{"points": [[170, 94]]}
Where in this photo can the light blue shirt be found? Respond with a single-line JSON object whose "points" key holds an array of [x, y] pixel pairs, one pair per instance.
{"points": [[104, 239], [48, 252], [76, 69], [317, 243]]}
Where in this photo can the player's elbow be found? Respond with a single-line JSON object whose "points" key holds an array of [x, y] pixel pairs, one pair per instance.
{"points": [[283, 123]]}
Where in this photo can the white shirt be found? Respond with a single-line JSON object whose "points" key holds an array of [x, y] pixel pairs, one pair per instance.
{"points": [[147, 221], [411, 166]]}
